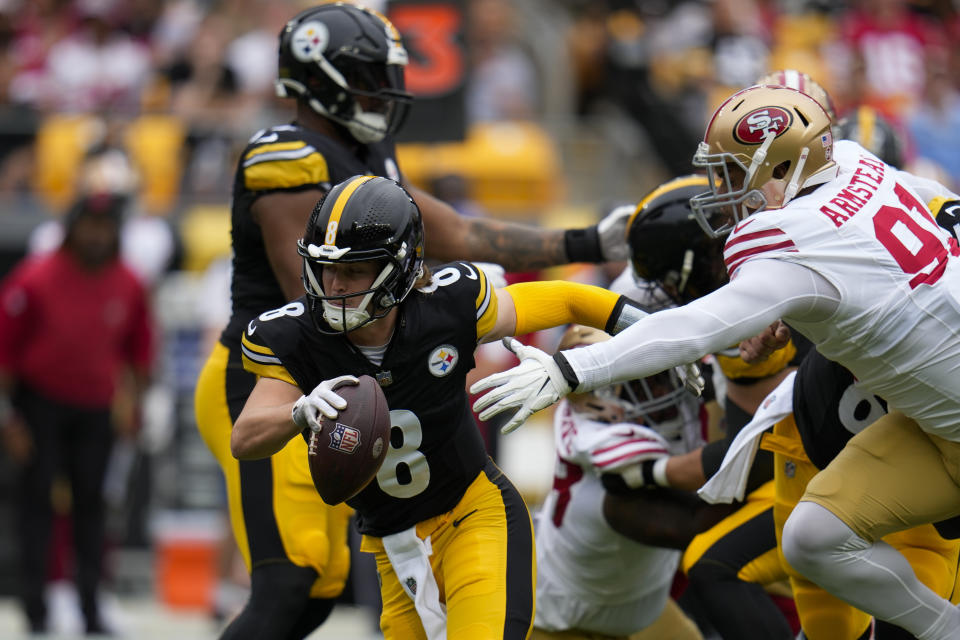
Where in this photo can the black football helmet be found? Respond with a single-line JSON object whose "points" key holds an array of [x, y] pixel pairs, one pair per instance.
{"points": [[659, 401], [669, 252], [361, 219], [874, 133], [347, 63]]}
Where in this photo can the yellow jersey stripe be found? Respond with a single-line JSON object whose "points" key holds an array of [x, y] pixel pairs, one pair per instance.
{"points": [[487, 305], [259, 349], [483, 293], [275, 371], [291, 145], [287, 173]]}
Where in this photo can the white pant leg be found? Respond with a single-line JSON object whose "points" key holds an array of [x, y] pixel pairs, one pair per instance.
{"points": [[875, 578]]}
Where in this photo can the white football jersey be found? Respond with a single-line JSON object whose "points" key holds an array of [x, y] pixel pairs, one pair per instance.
{"points": [[859, 266], [897, 325], [590, 577]]}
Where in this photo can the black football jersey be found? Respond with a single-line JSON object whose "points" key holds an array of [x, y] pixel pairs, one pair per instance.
{"points": [[435, 447], [285, 158], [828, 408]]}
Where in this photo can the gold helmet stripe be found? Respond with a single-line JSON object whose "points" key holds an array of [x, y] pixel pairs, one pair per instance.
{"points": [[333, 224], [676, 183]]}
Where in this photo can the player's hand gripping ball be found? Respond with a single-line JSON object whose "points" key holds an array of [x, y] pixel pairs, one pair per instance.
{"points": [[347, 451]]}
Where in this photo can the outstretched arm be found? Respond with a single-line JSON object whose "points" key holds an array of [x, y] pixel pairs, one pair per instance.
{"points": [[532, 306], [516, 247], [764, 291]]}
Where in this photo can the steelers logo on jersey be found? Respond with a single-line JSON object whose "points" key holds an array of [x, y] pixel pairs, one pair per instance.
{"points": [[442, 360]]}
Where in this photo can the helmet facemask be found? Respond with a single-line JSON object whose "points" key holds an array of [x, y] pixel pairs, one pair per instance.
{"points": [[732, 197], [763, 146], [658, 401], [376, 302], [367, 98]]}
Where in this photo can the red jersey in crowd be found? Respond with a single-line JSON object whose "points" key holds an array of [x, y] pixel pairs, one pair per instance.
{"points": [[68, 332]]}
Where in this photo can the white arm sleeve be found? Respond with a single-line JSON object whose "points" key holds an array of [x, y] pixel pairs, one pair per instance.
{"points": [[762, 292]]}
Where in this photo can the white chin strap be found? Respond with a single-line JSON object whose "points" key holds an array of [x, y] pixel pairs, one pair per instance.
{"points": [[367, 127], [349, 318], [346, 319], [364, 126]]}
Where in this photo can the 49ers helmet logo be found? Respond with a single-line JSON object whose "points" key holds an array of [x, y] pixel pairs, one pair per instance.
{"points": [[754, 127]]}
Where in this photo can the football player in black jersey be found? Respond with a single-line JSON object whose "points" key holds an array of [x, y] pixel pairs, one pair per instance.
{"points": [[452, 536], [730, 550], [344, 65]]}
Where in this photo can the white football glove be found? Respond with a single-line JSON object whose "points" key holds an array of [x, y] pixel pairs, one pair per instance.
{"points": [[612, 231], [535, 383], [691, 378], [322, 400]]}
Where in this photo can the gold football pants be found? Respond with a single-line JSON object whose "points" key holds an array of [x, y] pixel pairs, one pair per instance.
{"points": [[275, 512], [822, 616], [482, 560]]}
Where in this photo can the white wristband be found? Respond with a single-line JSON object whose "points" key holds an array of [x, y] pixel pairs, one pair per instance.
{"points": [[660, 471]]}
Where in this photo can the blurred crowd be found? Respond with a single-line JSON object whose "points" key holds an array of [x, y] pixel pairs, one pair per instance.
{"points": [[153, 100], [180, 84]]}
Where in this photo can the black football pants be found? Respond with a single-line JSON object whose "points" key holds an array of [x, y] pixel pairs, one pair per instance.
{"points": [[76, 441]]}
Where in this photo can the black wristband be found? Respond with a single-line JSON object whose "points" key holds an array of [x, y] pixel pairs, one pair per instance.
{"points": [[583, 245], [646, 470], [566, 370], [614, 483]]}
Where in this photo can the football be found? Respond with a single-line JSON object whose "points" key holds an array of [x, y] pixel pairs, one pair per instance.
{"points": [[346, 453]]}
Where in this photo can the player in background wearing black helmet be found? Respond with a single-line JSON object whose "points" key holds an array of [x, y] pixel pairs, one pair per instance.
{"points": [[874, 133], [583, 590], [727, 563], [344, 66], [452, 537]]}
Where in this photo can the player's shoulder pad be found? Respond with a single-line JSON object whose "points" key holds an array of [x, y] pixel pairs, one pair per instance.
{"points": [[947, 214], [762, 235], [465, 280], [454, 277], [284, 157], [271, 338]]}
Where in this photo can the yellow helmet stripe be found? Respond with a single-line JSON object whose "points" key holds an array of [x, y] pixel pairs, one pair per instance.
{"points": [[676, 183], [330, 238]]}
